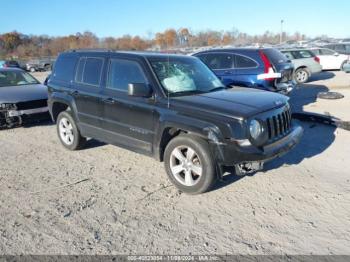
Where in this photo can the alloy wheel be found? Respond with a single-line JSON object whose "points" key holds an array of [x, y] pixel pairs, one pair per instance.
{"points": [[185, 165], [66, 131]]}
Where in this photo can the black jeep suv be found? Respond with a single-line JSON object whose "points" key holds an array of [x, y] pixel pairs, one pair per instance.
{"points": [[172, 108]]}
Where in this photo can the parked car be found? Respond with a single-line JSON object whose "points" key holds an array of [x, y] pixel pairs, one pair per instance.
{"points": [[329, 59], [265, 68], [306, 63], [22, 98], [170, 107], [9, 64], [39, 65], [341, 48]]}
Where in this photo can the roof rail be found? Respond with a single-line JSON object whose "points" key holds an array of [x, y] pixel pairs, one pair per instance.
{"points": [[91, 50]]}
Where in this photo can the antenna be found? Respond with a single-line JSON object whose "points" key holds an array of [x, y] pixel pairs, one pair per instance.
{"points": [[168, 70]]}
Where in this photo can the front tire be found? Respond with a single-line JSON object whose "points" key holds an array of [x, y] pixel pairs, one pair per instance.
{"points": [[189, 164], [301, 75], [68, 132]]}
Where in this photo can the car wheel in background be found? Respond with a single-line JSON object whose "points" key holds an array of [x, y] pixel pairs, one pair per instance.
{"points": [[47, 67], [68, 132], [342, 67], [32, 69], [189, 164], [301, 75]]}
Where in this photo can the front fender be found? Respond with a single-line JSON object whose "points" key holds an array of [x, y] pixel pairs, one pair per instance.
{"points": [[206, 130]]}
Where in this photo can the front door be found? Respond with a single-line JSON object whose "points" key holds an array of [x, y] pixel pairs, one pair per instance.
{"points": [[128, 120]]}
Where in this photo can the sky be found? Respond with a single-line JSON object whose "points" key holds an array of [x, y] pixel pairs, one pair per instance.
{"points": [[146, 17]]}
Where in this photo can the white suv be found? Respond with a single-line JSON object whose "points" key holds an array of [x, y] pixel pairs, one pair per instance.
{"points": [[330, 59]]}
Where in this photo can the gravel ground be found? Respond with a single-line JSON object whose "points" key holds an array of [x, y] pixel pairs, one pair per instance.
{"points": [[106, 200]]}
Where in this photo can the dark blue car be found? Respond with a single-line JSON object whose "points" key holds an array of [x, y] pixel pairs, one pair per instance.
{"points": [[261, 68]]}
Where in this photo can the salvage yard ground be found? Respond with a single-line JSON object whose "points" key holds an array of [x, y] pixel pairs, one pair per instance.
{"points": [[106, 200]]}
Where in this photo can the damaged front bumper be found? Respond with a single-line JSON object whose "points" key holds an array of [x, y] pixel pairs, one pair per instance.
{"points": [[249, 159], [10, 116]]}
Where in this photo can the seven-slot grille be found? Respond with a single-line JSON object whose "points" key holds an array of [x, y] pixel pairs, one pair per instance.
{"points": [[279, 124]]}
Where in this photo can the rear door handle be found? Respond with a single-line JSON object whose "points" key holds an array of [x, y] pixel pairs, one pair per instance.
{"points": [[109, 100]]}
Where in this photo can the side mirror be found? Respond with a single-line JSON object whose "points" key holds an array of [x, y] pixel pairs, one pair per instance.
{"points": [[139, 90]]}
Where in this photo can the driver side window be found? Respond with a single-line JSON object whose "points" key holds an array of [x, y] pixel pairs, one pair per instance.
{"points": [[123, 72]]}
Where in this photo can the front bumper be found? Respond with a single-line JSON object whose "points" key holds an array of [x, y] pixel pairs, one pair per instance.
{"points": [[11, 117], [13, 113], [231, 153]]}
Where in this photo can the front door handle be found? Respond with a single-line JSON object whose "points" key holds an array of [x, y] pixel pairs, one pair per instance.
{"points": [[109, 100]]}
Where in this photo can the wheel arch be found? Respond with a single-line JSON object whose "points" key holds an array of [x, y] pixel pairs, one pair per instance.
{"points": [[170, 130]]}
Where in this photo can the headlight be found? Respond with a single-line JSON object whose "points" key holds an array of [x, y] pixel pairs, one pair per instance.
{"points": [[255, 129]]}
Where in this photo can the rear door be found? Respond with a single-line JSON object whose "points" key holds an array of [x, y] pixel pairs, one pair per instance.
{"points": [[222, 64], [128, 121], [87, 93], [246, 70]]}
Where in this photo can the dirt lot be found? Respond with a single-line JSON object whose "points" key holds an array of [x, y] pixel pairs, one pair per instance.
{"points": [[124, 204]]}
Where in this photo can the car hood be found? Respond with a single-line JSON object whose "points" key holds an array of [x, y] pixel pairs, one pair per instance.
{"points": [[235, 102], [14, 94]]}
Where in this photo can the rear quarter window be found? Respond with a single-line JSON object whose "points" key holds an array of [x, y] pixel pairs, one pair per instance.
{"points": [[64, 68], [244, 62]]}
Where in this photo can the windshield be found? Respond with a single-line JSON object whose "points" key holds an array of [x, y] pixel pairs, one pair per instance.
{"points": [[184, 75], [16, 78]]}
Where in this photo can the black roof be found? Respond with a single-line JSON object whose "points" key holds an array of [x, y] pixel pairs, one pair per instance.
{"points": [[145, 54]]}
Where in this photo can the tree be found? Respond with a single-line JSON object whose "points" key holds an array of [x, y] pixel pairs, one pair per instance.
{"points": [[170, 37], [11, 40]]}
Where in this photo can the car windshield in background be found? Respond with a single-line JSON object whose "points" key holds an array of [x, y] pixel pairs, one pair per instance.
{"points": [[184, 76], [275, 56], [16, 78]]}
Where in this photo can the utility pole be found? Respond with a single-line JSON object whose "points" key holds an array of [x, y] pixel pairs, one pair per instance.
{"points": [[281, 34]]}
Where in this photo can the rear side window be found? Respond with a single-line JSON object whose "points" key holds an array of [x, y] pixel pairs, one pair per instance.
{"points": [[327, 52], [123, 72], [302, 54], [89, 70], [318, 51], [288, 55], [64, 68], [339, 48], [275, 56], [244, 62], [217, 60]]}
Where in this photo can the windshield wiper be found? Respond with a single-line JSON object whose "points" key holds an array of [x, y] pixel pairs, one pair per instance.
{"points": [[188, 92], [218, 88]]}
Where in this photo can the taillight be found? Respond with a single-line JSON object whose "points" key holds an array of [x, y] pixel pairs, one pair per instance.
{"points": [[268, 69], [317, 59]]}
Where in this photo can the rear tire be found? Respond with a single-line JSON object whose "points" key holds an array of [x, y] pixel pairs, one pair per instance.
{"points": [[301, 75], [68, 132], [189, 164]]}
